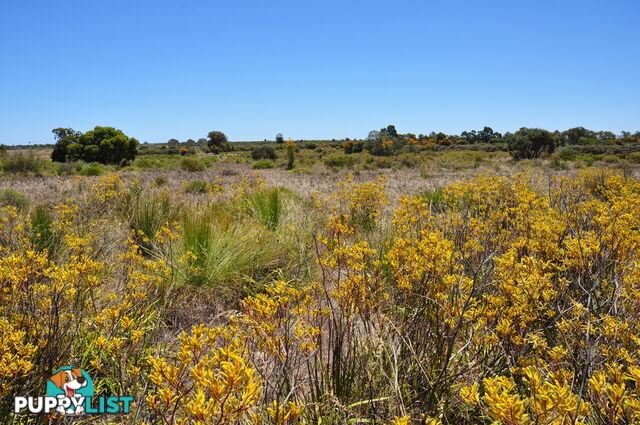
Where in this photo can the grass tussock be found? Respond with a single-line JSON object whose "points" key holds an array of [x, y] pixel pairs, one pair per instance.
{"points": [[217, 250]]}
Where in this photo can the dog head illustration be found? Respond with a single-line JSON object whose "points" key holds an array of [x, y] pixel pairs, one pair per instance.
{"points": [[69, 380]]}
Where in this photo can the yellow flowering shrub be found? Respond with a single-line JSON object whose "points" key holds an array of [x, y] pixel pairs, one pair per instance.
{"points": [[514, 300], [207, 380]]}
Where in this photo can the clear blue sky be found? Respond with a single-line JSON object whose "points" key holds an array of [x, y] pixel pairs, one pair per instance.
{"points": [[316, 69]]}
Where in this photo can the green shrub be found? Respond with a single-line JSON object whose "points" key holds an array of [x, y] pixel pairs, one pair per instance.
{"points": [[145, 163], [300, 170], [263, 152], [567, 154], [68, 168], [339, 161], [610, 159], [22, 163], [91, 170], [13, 198], [457, 160], [159, 181], [558, 164], [192, 164], [408, 160], [106, 145], [263, 164], [634, 157], [529, 143], [196, 187], [587, 158], [383, 162]]}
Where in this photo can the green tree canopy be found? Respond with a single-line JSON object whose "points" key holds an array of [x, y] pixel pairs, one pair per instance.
{"points": [[529, 143], [107, 145], [217, 142]]}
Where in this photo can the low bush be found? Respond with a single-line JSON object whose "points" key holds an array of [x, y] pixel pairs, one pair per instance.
{"points": [[587, 158], [13, 198], [263, 164], [610, 159], [634, 157], [339, 161], [22, 163], [567, 154], [91, 170], [192, 164], [263, 152], [68, 168]]}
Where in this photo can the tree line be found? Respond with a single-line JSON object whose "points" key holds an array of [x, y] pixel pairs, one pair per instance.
{"points": [[522, 144]]}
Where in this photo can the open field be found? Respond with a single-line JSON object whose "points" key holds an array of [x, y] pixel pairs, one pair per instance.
{"points": [[446, 287]]}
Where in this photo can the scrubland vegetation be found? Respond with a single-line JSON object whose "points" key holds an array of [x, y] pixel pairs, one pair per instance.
{"points": [[289, 283]]}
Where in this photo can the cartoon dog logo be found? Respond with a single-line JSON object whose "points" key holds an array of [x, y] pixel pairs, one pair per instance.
{"points": [[73, 383]]}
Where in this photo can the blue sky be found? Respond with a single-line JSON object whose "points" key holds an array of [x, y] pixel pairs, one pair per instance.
{"points": [[315, 69]]}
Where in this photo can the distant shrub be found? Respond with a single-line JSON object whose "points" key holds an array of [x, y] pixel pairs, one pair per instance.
{"points": [[610, 159], [529, 143], [13, 198], [22, 163], [558, 164], [263, 152], [192, 164], [228, 172], [217, 142], [310, 145], [567, 154], [300, 170], [91, 170], [352, 146], [143, 163], [587, 158], [634, 157], [196, 187], [408, 160], [339, 161], [68, 168], [458, 159], [383, 162], [263, 164]]}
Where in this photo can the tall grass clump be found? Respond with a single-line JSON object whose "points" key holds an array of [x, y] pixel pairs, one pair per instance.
{"points": [[43, 235], [266, 206], [148, 214], [196, 187], [218, 250]]}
